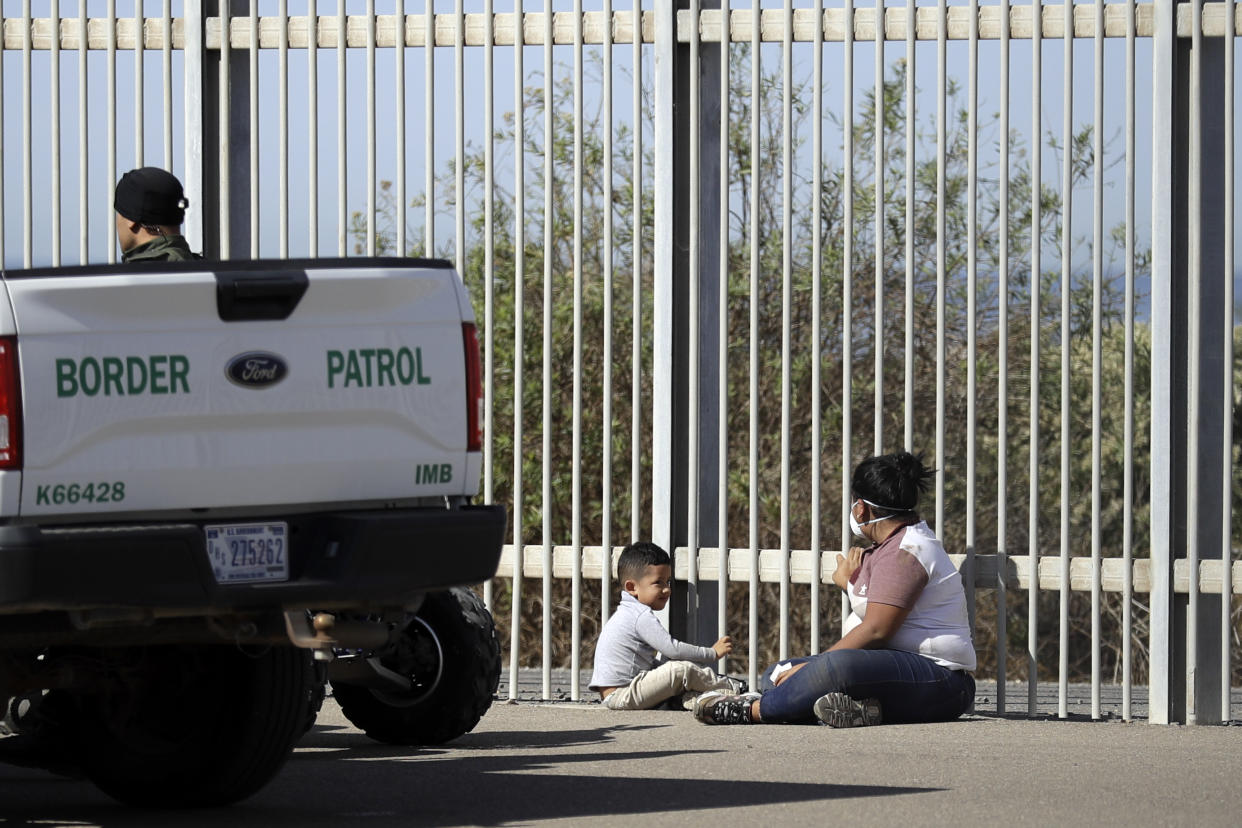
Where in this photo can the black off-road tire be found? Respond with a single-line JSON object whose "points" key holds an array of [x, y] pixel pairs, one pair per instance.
{"points": [[449, 698], [207, 725]]}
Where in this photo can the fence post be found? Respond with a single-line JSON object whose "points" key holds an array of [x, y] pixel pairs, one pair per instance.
{"points": [[1206, 451], [1187, 392], [225, 197], [706, 608], [692, 613]]}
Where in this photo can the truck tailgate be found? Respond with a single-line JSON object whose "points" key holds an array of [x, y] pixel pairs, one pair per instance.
{"points": [[160, 390]]}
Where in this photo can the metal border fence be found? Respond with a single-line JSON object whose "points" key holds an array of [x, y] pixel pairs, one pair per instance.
{"points": [[712, 235]]}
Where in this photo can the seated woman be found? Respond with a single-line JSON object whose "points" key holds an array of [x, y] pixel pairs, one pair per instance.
{"points": [[906, 654]]}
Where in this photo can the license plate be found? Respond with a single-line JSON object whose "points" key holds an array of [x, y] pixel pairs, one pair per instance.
{"points": [[248, 552]]}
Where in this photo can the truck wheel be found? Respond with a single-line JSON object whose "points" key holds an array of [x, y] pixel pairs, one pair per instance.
{"points": [[451, 651], [203, 726]]}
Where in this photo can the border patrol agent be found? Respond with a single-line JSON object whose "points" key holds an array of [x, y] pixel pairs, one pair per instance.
{"points": [[150, 207]]}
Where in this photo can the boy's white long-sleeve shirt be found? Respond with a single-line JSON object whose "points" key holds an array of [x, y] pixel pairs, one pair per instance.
{"points": [[632, 641]]}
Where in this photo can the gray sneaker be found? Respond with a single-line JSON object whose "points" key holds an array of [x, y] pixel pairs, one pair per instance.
{"points": [[736, 686], [840, 710], [717, 708]]}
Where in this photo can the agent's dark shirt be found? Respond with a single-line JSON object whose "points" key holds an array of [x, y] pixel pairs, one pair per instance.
{"points": [[164, 249]]}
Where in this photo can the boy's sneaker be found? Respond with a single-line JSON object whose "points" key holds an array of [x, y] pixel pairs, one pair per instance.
{"points": [[736, 686], [840, 710], [716, 708]]}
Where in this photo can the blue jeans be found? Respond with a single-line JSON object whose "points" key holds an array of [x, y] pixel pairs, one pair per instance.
{"points": [[910, 687]]}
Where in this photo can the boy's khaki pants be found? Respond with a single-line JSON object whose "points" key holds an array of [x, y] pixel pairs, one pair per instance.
{"points": [[672, 678]]}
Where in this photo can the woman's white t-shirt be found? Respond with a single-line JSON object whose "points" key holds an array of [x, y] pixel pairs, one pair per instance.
{"points": [[910, 569]]}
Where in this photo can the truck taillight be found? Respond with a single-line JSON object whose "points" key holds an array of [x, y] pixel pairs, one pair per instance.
{"points": [[474, 389], [10, 406]]}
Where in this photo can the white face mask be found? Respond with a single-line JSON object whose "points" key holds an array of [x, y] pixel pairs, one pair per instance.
{"points": [[856, 527]]}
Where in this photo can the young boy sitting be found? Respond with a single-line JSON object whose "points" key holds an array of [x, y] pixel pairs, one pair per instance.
{"points": [[629, 674]]}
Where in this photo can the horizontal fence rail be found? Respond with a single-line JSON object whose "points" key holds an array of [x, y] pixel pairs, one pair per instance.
{"points": [[595, 29], [988, 241], [801, 569]]}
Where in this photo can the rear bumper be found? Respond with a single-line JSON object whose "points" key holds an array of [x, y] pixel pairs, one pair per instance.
{"points": [[336, 559]]}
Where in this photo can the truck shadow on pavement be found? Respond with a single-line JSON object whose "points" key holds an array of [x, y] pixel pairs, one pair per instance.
{"points": [[479, 781], [340, 777], [345, 739]]}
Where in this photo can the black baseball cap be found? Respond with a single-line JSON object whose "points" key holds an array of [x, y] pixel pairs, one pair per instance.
{"points": [[151, 196]]}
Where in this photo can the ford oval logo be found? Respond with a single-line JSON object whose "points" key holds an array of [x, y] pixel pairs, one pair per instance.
{"points": [[256, 369]]}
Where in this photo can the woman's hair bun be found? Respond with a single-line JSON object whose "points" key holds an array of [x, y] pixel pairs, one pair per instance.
{"points": [[910, 469]]}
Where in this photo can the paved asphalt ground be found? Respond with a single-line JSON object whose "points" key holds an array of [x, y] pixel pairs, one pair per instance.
{"points": [[532, 762]]}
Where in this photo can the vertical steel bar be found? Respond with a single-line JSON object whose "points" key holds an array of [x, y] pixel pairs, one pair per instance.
{"points": [[606, 255], [941, 264], [1226, 582], [370, 174], [27, 138], [168, 100], [786, 308], [575, 656], [1002, 373], [1035, 281], [722, 340], [429, 129], [847, 291], [756, 42], [54, 82], [636, 294], [399, 118], [1067, 205], [459, 130], [1167, 361], [196, 139], [694, 357], [312, 125], [1127, 511], [253, 95], [879, 333], [1194, 233], [222, 136], [817, 266], [972, 306], [489, 254], [667, 287], [519, 325], [283, 127], [911, 108], [1097, 354], [111, 118], [139, 84], [342, 131], [83, 145], [549, 239]]}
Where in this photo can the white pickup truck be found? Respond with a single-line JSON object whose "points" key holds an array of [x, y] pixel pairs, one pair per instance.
{"points": [[221, 484]]}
